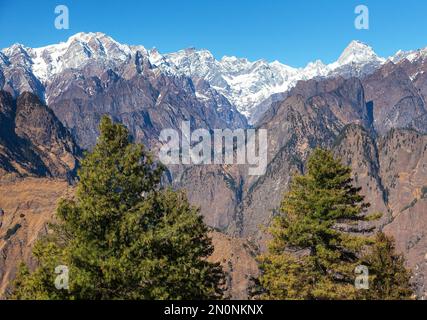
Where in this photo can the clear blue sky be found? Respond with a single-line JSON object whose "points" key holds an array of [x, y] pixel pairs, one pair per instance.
{"points": [[293, 32]]}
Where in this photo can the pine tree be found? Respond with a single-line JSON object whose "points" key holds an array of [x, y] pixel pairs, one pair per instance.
{"points": [[311, 256], [123, 236], [388, 277]]}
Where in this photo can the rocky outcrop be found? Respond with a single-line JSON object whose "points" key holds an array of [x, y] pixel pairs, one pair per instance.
{"points": [[33, 141], [403, 159], [141, 98], [359, 150], [403, 155], [395, 99]]}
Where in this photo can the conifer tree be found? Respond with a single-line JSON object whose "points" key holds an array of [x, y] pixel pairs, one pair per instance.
{"points": [[123, 236], [311, 256], [388, 277]]}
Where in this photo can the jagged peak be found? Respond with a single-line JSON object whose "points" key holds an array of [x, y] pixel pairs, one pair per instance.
{"points": [[411, 55], [358, 46], [244, 83], [87, 36], [84, 38], [192, 51], [315, 64], [15, 48], [357, 52]]}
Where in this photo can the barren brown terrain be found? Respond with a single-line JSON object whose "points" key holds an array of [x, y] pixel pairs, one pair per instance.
{"points": [[29, 205]]}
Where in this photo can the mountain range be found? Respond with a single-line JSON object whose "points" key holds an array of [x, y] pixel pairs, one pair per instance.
{"points": [[369, 110], [244, 83]]}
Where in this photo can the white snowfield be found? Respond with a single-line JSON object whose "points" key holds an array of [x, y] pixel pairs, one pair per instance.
{"points": [[244, 83]]}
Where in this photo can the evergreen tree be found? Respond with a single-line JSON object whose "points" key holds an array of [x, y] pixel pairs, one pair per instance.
{"points": [[123, 236], [388, 277], [311, 256]]}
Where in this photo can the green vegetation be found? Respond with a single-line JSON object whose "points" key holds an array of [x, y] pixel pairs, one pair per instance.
{"points": [[123, 236], [312, 256], [388, 277], [126, 237]]}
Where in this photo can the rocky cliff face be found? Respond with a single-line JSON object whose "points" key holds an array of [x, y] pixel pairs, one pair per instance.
{"points": [[359, 150], [32, 139], [395, 100], [135, 94]]}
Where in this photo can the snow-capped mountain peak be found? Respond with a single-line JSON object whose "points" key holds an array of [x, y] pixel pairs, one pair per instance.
{"points": [[74, 53], [358, 52]]}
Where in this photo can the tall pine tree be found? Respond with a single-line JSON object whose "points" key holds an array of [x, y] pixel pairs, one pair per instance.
{"points": [[123, 236], [311, 254]]}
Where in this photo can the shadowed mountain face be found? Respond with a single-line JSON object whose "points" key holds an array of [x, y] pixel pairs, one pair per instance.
{"points": [[32, 139]]}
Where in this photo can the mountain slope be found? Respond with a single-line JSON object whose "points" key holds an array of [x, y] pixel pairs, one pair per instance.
{"points": [[32, 140], [92, 74], [29, 205]]}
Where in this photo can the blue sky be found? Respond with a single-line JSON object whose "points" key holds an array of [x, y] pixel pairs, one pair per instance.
{"points": [[293, 32]]}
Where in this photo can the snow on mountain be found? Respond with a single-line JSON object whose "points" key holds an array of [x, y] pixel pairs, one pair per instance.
{"points": [[358, 53], [244, 83], [47, 61], [248, 84], [357, 60], [74, 53], [412, 55]]}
